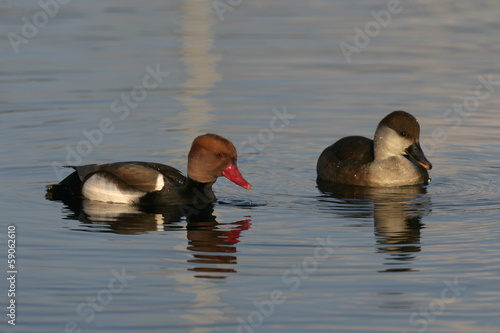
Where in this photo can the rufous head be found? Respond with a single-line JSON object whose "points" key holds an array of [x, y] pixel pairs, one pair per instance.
{"points": [[212, 156]]}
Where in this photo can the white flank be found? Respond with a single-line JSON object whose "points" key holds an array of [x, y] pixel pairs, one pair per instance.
{"points": [[100, 188], [159, 182]]}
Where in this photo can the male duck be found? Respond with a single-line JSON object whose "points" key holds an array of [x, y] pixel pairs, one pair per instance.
{"points": [[211, 156], [393, 158]]}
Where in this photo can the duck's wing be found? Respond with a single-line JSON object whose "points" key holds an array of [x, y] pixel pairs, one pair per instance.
{"points": [[126, 182], [345, 159], [143, 176], [353, 147]]}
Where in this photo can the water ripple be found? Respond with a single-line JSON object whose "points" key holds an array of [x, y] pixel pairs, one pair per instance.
{"points": [[471, 192]]}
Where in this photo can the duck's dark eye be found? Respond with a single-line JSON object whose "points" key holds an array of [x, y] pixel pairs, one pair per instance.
{"points": [[219, 155], [403, 133]]}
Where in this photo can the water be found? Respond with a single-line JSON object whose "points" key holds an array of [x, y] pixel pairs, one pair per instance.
{"points": [[284, 256]]}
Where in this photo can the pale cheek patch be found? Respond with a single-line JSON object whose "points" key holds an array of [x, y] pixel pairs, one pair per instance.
{"points": [[103, 188]]}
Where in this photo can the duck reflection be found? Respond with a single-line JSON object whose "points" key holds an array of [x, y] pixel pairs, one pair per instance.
{"points": [[213, 244], [397, 213]]}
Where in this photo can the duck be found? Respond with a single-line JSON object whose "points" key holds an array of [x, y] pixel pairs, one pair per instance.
{"points": [[149, 183], [393, 158]]}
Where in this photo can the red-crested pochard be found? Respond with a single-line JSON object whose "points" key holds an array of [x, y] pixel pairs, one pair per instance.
{"points": [[393, 158], [211, 156]]}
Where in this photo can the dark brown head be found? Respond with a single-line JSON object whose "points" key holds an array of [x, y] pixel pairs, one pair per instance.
{"points": [[399, 134], [212, 156], [403, 123]]}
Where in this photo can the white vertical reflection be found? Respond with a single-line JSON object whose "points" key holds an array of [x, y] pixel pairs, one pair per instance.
{"points": [[197, 40], [206, 304], [200, 65]]}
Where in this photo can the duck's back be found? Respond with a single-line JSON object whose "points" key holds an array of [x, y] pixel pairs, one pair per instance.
{"points": [[123, 182], [346, 161], [143, 175]]}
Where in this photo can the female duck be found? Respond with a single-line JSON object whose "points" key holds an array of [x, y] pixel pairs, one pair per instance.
{"points": [[143, 183], [393, 158]]}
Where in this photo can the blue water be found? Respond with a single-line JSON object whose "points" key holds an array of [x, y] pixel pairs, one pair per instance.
{"points": [[118, 80]]}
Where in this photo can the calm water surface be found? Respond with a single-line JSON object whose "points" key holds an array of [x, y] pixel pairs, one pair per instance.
{"points": [[115, 80]]}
